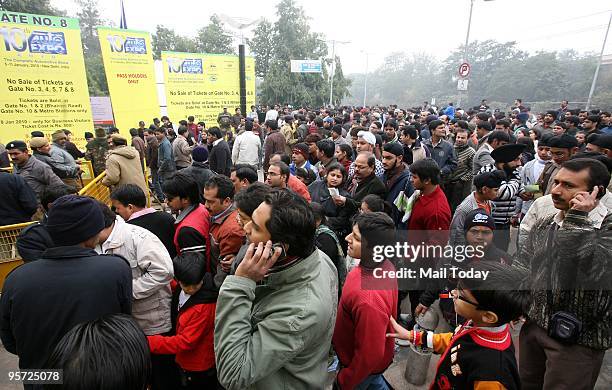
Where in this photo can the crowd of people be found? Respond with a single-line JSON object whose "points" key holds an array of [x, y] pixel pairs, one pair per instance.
{"points": [[257, 272]]}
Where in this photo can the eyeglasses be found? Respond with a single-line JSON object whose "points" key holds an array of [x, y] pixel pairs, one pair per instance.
{"points": [[273, 174], [457, 295]]}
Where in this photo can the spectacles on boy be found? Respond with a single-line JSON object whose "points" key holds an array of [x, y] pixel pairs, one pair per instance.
{"points": [[457, 295]]}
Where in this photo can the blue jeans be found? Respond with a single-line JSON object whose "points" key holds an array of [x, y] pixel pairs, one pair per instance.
{"points": [[157, 185], [373, 382]]}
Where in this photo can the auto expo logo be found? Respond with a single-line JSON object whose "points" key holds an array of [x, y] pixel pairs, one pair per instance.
{"points": [[130, 45], [40, 42], [185, 65]]}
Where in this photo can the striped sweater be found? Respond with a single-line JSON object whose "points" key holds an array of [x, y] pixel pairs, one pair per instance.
{"points": [[465, 156], [504, 206]]}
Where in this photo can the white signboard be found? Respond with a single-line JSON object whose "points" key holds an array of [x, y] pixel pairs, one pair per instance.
{"points": [[305, 66], [462, 85], [101, 110]]}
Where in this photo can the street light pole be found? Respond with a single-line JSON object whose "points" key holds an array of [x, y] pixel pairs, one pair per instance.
{"points": [[603, 46], [365, 85], [467, 35], [333, 63], [465, 46], [331, 79]]}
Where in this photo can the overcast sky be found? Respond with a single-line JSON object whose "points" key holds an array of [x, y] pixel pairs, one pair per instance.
{"points": [[432, 26]]}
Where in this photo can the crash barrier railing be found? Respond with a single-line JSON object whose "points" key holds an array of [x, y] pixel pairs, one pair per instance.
{"points": [[97, 190], [9, 258]]}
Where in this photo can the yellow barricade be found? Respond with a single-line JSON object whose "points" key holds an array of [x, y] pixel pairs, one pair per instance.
{"points": [[9, 258], [97, 190]]}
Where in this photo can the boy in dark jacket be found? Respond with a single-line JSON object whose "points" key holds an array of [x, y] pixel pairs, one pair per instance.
{"points": [[480, 353], [193, 319]]}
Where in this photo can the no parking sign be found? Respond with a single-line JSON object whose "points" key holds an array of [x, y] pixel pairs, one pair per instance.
{"points": [[464, 70]]}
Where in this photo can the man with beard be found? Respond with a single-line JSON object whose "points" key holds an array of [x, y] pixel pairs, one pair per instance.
{"points": [[396, 179], [548, 121], [508, 159], [562, 147]]}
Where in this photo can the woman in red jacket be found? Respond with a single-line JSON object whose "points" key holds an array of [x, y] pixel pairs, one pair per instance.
{"points": [[193, 319]]}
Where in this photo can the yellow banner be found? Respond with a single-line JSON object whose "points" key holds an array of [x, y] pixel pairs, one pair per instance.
{"points": [[130, 72], [42, 77], [202, 84]]}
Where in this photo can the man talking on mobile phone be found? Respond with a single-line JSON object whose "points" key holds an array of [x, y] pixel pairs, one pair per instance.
{"points": [[569, 256], [275, 316]]}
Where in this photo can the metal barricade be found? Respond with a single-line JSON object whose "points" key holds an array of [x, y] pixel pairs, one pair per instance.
{"points": [[9, 257], [97, 190]]}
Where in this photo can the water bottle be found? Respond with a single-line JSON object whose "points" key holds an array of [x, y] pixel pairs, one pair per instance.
{"points": [[417, 365]]}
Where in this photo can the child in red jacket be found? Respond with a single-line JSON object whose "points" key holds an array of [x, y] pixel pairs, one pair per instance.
{"points": [[193, 319], [479, 355]]}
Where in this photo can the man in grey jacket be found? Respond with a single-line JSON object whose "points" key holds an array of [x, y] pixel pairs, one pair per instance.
{"points": [[275, 317], [165, 158], [36, 173], [181, 149]]}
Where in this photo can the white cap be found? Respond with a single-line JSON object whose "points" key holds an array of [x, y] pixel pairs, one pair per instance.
{"points": [[367, 136]]}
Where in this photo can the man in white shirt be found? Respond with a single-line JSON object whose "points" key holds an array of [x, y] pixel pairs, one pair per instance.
{"points": [[247, 147], [272, 114]]}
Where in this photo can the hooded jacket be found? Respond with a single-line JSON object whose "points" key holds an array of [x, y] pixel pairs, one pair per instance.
{"points": [[123, 167], [152, 272], [194, 325]]}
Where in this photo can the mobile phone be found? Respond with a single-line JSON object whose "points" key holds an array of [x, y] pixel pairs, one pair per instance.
{"points": [[278, 245], [601, 192]]}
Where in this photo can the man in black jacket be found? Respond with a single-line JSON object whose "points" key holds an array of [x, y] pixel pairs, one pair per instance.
{"points": [[42, 300], [397, 179], [220, 158], [130, 202], [364, 183], [19, 200]]}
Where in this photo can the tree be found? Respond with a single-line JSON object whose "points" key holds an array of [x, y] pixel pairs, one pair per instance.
{"points": [[89, 19], [165, 39], [341, 84], [41, 7], [292, 40], [262, 47], [213, 38], [500, 73]]}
